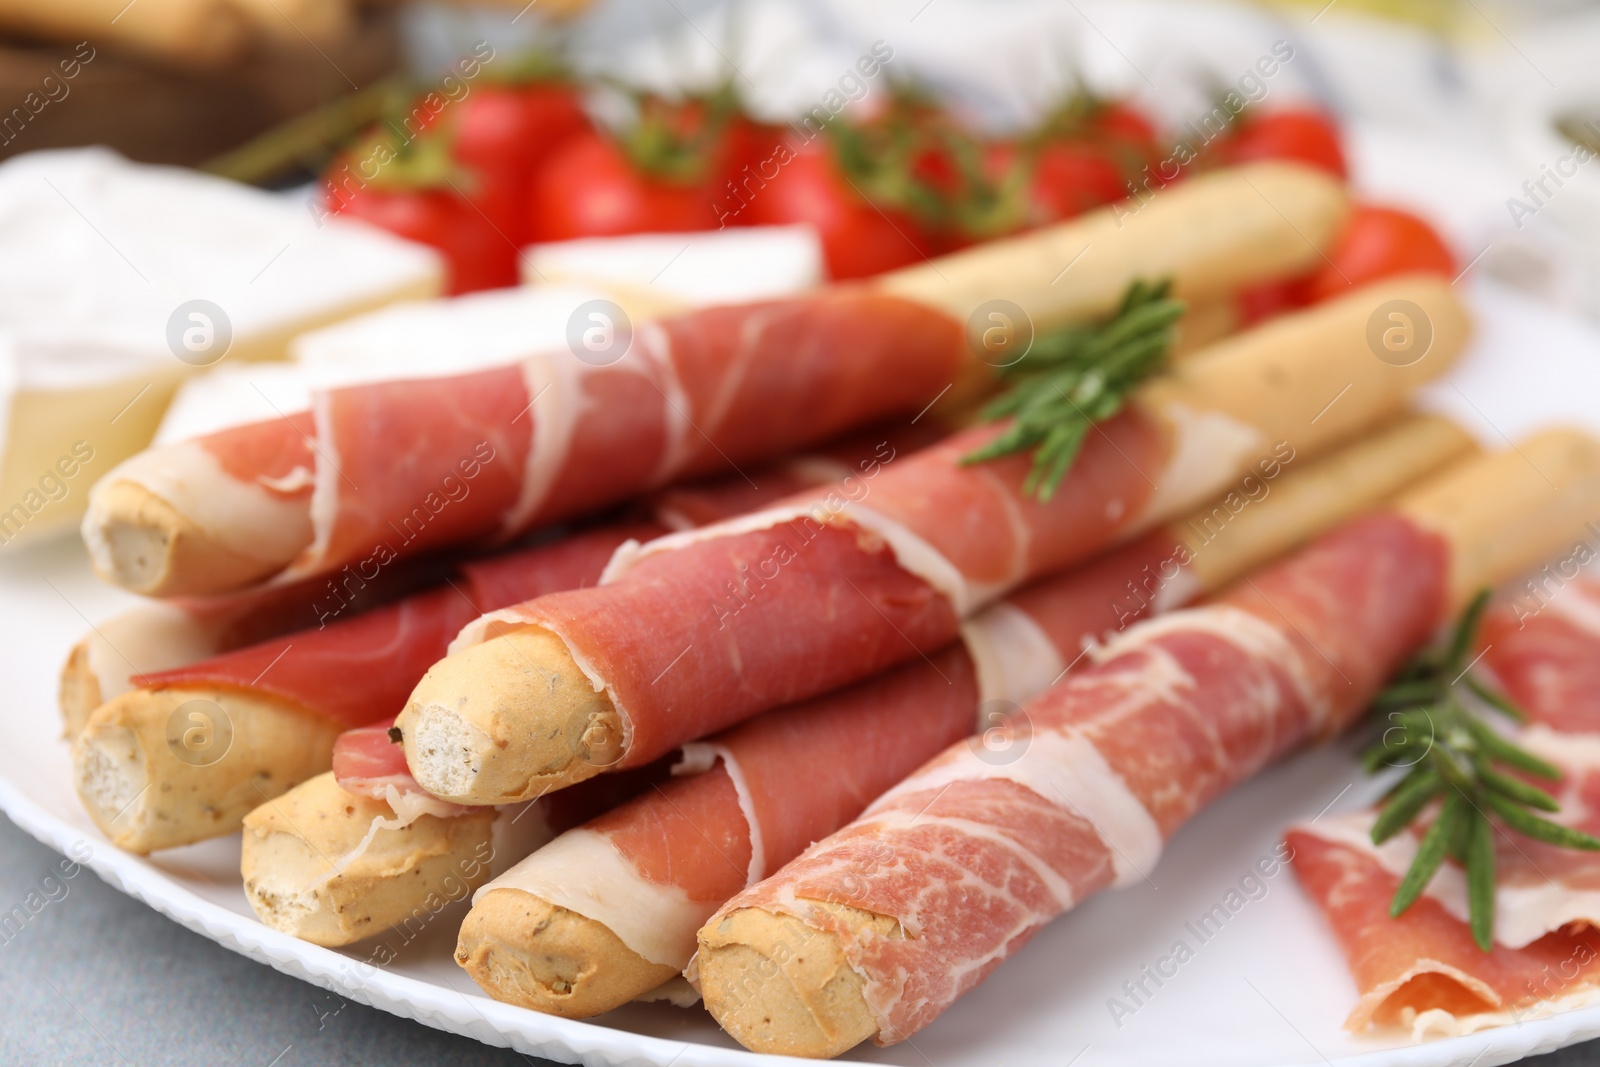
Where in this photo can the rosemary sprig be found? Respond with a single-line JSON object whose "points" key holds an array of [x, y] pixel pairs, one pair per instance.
{"points": [[1075, 377], [1454, 756]]}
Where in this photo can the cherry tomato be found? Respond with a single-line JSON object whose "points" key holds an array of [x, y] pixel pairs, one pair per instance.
{"points": [[1122, 121], [1379, 242], [1301, 134], [1264, 300], [504, 135], [857, 238], [1069, 179], [592, 189], [476, 255]]}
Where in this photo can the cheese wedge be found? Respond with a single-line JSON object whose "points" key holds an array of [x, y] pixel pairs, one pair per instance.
{"points": [[119, 280]]}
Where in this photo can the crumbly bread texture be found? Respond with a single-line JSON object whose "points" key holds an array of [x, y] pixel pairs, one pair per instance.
{"points": [[524, 950], [508, 720], [779, 986], [310, 869], [167, 767]]}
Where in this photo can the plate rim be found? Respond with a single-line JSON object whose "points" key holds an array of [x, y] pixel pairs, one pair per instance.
{"points": [[576, 1041]]}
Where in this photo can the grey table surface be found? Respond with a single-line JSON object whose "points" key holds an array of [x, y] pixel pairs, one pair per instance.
{"points": [[98, 978]]}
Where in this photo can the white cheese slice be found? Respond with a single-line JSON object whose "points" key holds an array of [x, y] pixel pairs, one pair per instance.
{"points": [[97, 256], [655, 272], [407, 339]]}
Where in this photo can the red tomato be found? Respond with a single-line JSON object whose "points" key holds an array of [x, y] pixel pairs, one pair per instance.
{"points": [[749, 151], [591, 189], [505, 134], [1301, 134], [1379, 242], [1267, 299], [1123, 122], [476, 255], [857, 239], [1071, 178]]}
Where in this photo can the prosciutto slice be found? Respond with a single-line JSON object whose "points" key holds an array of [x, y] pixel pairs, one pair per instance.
{"points": [[1423, 971], [358, 670], [696, 631], [397, 467], [972, 854], [766, 789]]}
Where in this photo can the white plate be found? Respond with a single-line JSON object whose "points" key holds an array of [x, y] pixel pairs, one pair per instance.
{"points": [[1269, 988]]}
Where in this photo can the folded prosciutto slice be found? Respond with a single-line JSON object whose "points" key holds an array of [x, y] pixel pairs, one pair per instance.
{"points": [[1423, 971], [875, 930], [395, 467], [698, 630]]}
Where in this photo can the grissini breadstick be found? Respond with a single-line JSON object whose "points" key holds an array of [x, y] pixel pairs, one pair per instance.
{"points": [[290, 697], [187, 754], [1422, 970], [333, 865], [861, 936], [162, 635], [699, 630], [608, 911], [556, 435]]}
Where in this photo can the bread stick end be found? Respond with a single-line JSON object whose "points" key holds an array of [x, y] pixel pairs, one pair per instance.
{"points": [[138, 541], [507, 720], [779, 986], [522, 949]]}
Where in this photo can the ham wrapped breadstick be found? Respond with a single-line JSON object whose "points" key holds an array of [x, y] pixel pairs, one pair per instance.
{"points": [[311, 890], [1422, 970], [554, 435], [162, 634], [185, 754], [189, 752], [159, 636], [610, 910], [877, 929], [692, 633]]}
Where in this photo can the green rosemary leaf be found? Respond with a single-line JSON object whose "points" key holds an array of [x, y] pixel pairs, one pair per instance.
{"points": [[1500, 749], [1461, 837], [1480, 880], [1458, 754], [1399, 754], [1430, 853], [1461, 640], [1403, 693], [1526, 823], [1074, 377], [1419, 787], [1495, 700], [1518, 790]]}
